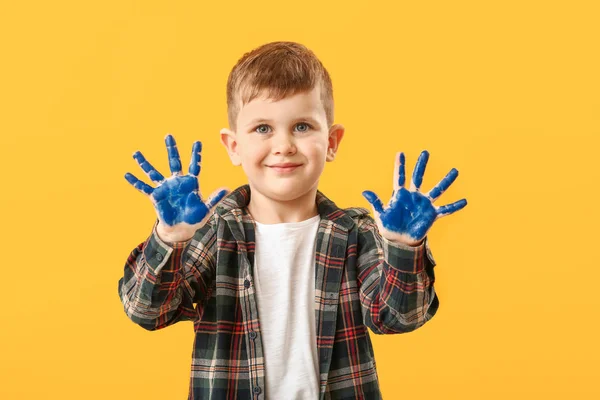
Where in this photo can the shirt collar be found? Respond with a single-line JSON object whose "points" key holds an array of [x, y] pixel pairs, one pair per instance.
{"points": [[236, 202]]}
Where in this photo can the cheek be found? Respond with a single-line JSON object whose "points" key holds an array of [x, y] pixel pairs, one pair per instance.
{"points": [[255, 155], [317, 149]]}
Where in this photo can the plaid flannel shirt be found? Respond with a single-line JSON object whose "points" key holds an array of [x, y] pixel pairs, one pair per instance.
{"points": [[361, 280]]}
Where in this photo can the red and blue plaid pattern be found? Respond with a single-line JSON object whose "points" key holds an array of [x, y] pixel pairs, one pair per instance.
{"points": [[362, 280]]}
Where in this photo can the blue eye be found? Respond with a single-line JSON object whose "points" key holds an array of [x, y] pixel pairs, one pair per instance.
{"points": [[308, 126], [260, 127]]}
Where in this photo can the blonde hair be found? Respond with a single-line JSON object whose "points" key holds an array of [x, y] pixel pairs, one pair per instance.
{"points": [[281, 69]]}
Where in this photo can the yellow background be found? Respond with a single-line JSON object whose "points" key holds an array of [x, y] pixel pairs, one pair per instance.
{"points": [[507, 92]]}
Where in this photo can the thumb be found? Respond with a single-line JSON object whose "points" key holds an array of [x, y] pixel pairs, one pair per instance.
{"points": [[374, 200]]}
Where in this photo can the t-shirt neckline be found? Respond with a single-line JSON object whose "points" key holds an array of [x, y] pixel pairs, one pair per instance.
{"points": [[298, 224]]}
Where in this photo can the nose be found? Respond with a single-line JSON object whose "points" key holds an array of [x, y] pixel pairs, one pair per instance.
{"points": [[283, 143]]}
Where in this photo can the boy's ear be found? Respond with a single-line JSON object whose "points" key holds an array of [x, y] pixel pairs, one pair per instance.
{"points": [[336, 133], [229, 140]]}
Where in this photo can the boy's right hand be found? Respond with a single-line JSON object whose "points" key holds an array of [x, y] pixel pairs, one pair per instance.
{"points": [[177, 199]]}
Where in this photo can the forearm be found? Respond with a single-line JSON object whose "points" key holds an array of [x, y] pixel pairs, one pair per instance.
{"points": [[151, 289], [396, 284]]}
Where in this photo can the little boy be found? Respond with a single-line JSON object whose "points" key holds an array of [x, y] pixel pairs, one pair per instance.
{"points": [[280, 283]]}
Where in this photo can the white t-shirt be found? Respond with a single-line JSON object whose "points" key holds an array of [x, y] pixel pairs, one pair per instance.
{"points": [[284, 277]]}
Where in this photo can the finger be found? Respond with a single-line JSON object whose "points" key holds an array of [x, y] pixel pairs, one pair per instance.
{"points": [[139, 185], [152, 173], [195, 162], [443, 185], [215, 197], [174, 160], [399, 172], [451, 208], [417, 178], [374, 200]]}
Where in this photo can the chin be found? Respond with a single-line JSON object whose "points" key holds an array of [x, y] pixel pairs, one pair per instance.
{"points": [[284, 191]]}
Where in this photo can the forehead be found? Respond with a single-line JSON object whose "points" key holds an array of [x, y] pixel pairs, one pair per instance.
{"points": [[299, 104]]}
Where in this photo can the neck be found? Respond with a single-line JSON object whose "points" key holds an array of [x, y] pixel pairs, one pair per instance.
{"points": [[267, 210]]}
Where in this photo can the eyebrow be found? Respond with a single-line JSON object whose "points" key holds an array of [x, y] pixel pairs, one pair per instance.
{"points": [[261, 120]]}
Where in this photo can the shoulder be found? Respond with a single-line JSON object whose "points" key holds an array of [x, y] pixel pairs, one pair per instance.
{"points": [[360, 216], [356, 212]]}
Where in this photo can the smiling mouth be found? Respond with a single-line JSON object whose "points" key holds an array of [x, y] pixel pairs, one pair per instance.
{"points": [[285, 169]]}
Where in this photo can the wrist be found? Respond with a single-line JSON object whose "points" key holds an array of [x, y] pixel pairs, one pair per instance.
{"points": [[169, 236], [402, 240]]}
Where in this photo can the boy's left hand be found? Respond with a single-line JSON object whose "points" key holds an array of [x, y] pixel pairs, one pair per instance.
{"points": [[410, 214]]}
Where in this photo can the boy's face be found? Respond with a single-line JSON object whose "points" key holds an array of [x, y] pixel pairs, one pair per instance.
{"points": [[292, 130]]}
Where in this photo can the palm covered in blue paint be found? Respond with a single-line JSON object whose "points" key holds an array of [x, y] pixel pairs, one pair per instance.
{"points": [[410, 214], [177, 199]]}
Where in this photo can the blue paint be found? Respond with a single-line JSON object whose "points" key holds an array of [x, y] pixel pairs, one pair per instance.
{"points": [[176, 199], [152, 173], [420, 169], [451, 208], [408, 213], [139, 185], [174, 161], [401, 173], [443, 185], [411, 212], [196, 158]]}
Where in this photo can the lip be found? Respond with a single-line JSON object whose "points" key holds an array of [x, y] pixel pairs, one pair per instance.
{"points": [[289, 168], [287, 164]]}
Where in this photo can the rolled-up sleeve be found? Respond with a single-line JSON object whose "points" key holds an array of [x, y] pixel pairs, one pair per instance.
{"points": [[395, 281], [162, 281]]}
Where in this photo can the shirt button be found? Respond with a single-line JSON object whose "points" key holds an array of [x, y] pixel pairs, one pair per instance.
{"points": [[252, 335], [159, 257], [256, 389], [246, 283]]}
